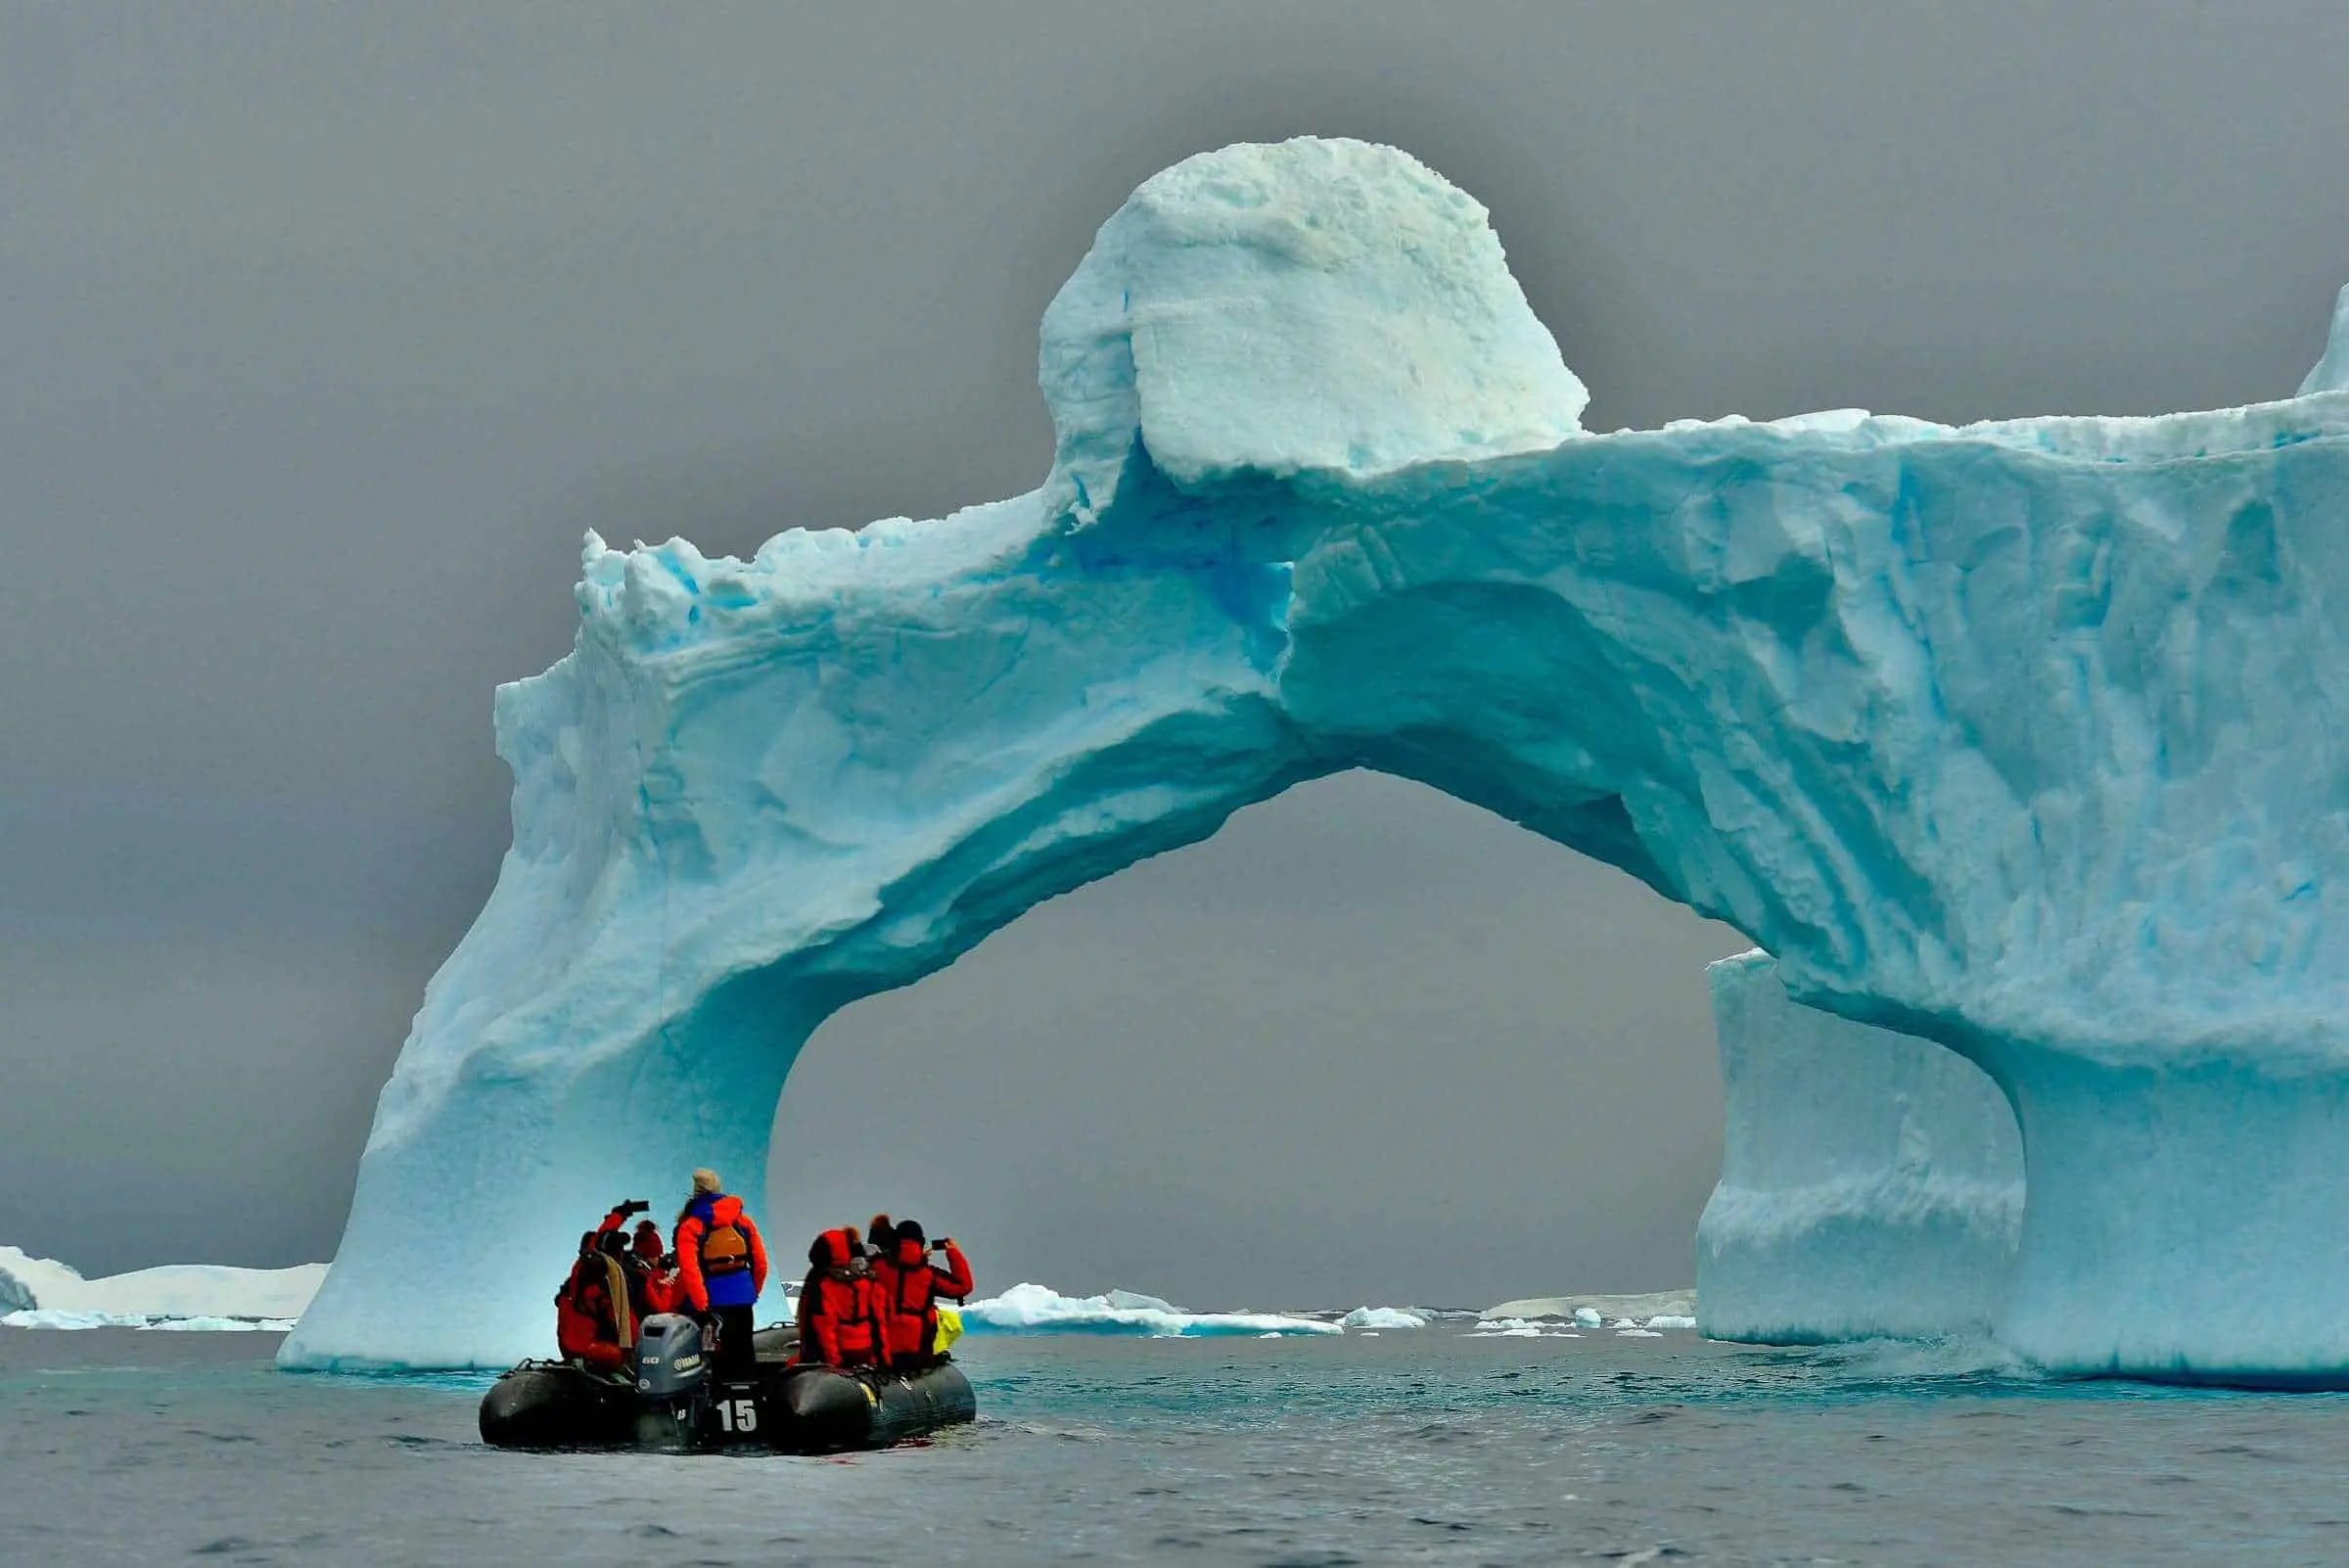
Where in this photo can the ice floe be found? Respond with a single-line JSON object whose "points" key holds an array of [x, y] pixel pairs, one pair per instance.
{"points": [[1382, 1317], [1027, 1309]]}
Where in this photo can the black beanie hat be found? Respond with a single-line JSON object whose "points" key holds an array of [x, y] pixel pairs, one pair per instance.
{"points": [[911, 1230]]}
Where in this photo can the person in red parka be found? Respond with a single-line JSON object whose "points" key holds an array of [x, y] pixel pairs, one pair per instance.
{"points": [[595, 1323], [838, 1323], [908, 1286], [663, 1291]]}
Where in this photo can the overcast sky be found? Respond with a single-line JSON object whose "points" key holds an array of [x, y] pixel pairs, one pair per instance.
{"points": [[325, 331]]}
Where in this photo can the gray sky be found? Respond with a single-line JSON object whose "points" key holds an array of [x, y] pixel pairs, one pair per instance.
{"points": [[325, 331]]}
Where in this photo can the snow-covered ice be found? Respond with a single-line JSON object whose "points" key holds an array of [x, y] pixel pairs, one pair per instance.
{"points": [[48, 1294], [49, 1317], [2028, 737], [219, 1325], [1594, 1309], [1520, 1329], [38, 1317], [1381, 1317], [1027, 1309], [1871, 1183]]}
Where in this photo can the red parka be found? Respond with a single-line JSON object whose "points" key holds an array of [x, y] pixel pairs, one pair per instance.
{"points": [[664, 1289], [909, 1286], [839, 1325], [593, 1320]]}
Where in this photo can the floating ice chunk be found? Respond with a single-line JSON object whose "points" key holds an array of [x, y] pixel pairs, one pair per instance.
{"points": [[1635, 1331], [1670, 1320], [1505, 1328], [1027, 1309], [1381, 1317], [42, 1317], [1595, 1309]]}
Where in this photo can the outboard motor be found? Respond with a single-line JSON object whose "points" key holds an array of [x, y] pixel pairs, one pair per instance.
{"points": [[670, 1364], [673, 1374]]}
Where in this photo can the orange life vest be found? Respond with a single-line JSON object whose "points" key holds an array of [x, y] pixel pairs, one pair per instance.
{"points": [[726, 1250]]}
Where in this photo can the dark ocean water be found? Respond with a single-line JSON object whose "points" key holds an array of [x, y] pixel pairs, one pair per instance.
{"points": [[1421, 1446]]}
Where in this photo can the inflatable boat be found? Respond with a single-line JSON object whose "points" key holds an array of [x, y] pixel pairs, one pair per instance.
{"points": [[674, 1406]]}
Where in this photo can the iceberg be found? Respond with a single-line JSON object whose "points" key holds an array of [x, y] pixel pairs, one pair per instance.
{"points": [[1871, 1183], [43, 1293], [1027, 1309], [1377, 1318], [2027, 737]]}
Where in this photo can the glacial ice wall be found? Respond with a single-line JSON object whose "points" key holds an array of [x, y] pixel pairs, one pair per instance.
{"points": [[56, 1294], [1871, 1183], [2025, 737]]}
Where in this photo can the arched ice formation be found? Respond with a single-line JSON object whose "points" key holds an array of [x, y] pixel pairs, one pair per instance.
{"points": [[2025, 737]]}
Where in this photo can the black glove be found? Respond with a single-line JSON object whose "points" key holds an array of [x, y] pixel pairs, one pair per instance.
{"points": [[633, 1205]]}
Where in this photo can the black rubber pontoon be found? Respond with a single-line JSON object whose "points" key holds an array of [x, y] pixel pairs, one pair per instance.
{"points": [[553, 1404], [790, 1410], [827, 1411]]}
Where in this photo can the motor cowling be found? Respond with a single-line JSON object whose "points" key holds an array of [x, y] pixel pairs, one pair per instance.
{"points": [[670, 1359]]}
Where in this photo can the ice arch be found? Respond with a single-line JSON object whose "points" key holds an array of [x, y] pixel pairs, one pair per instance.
{"points": [[2023, 737]]}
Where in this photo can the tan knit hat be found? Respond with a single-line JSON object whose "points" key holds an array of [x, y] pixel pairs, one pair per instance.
{"points": [[705, 1180]]}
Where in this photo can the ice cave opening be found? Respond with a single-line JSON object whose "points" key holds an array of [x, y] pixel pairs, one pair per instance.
{"points": [[1366, 1040]]}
